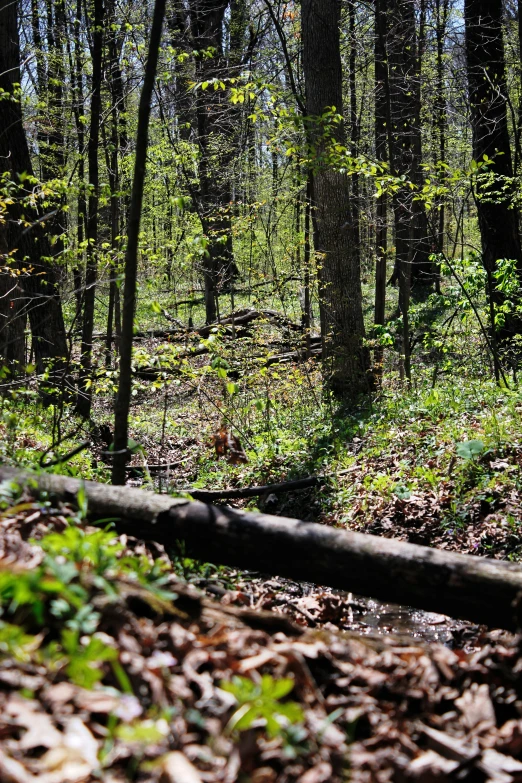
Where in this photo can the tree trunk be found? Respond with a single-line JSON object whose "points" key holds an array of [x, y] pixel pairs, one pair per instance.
{"points": [[346, 361], [121, 419], [440, 116], [26, 242], [217, 128], [91, 274], [404, 51], [119, 143], [381, 149], [401, 45], [472, 588], [487, 93], [13, 316], [354, 130], [78, 106]]}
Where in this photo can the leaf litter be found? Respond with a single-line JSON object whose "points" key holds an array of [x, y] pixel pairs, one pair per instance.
{"points": [[264, 685]]}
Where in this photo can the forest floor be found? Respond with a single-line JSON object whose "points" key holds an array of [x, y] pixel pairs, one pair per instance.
{"points": [[113, 668], [125, 662]]}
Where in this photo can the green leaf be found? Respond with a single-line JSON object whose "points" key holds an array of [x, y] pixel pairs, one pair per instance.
{"points": [[276, 689], [145, 732], [232, 388], [402, 492], [470, 449], [81, 499]]}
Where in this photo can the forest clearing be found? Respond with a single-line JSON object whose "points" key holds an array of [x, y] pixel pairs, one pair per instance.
{"points": [[260, 401]]}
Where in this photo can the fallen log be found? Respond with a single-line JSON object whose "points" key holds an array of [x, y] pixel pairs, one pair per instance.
{"points": [[473, 588]]}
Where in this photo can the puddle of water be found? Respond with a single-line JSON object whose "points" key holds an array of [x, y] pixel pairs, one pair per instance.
{"points": [[369, 616]]}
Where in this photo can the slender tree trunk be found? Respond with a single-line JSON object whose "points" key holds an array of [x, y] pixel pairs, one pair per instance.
{"points": [[518, 134], [91, 274], [118, 145], [13, 316], [178, 23], [76, 67], [441, 10], [402, 57], [307, 305], [346, 360], [381, 121], [52, 145], [486, 67], [41, 79], [26, 242], [121, 420], [354, 130], [421, 268]]}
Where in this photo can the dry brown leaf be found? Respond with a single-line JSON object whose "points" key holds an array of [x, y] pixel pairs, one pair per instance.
{"points": [[40, 730], [499, 767], [264, 775], [176, 768], [510, 737], [429, 764], [128, 708], [96, 701], [11, 771], [478, 713], [451, 747], [321, 773], [256, 661], [75, 758], [60, 694], [228, 445]]}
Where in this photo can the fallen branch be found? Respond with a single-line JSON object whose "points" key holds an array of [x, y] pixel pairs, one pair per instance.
{"points": [[208, 495], [295, 356], [302, 354], [246, 316], [139, 470], [173, 320], [239, 318], [473, 588]]}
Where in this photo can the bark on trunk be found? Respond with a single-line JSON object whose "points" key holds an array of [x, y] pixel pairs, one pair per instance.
{"points": [[440, 114], [119, 143], [487, 93], [78, 108], [217, 130], [403, 59], [473, 588], [25, 240], [52, 151], [346, 360], [381, 149], [131, 256], [91, 273]]}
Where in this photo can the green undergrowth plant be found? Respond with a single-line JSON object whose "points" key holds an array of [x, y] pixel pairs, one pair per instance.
{"points": [[52, 613], [260, 704], [196, 571]]}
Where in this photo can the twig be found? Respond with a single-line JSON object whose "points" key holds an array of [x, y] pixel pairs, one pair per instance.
{"points": [[66, 457]]}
